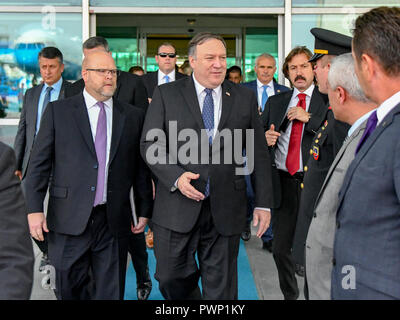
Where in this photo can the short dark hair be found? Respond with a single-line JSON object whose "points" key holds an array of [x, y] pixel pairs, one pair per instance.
{"points": [[233, 69], [94, 42], [295, 51], [167, 44], [51, 53], [135, 68], [200, 38], [377, 33]]}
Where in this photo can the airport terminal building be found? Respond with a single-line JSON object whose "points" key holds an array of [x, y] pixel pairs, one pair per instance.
{"points": [[134, 29]]}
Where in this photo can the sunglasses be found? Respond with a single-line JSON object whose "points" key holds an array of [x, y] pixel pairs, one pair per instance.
{"points": [[164, 55]]}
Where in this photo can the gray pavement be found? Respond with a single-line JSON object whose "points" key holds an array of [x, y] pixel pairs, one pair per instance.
{"points": [[261, 262]]}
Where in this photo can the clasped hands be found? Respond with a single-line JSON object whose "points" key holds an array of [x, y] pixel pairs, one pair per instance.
{"points": [[294, 113]]}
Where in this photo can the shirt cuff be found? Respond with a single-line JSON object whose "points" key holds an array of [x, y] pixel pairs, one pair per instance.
{"points": [[265, 209]]}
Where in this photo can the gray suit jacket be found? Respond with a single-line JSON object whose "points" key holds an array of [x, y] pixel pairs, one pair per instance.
{"points": [[27, 125], [319, 244], [367, 238], [16, 252]]}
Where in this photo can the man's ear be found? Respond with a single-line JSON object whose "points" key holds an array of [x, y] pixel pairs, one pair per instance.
{"points": [[368, 66], [341, 94]]}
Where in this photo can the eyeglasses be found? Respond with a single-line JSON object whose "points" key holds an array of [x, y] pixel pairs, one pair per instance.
{"points": [[164, 55], [106, 72]]}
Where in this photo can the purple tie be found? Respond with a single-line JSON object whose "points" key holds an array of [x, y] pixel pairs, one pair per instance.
{"points": [[371, 125], [100, 143]]}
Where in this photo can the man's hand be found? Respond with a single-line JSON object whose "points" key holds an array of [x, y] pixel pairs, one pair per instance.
{"points": [[187, 189], [37, 224], [263, 219], [272, 136], [139, 228], [18, 173], [298, 113], [154, 189]]}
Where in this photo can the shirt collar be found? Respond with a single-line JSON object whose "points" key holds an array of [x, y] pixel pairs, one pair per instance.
{"points": [[91, 101], [387, 106], [170, 75], [56, 86], [199, 88], [308, 92], [358, 122], [269, 84]]}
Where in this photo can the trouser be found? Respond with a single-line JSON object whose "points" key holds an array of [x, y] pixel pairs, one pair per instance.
{"points": [[93, 256], [139, 256], [177, 270], [284, 224]]}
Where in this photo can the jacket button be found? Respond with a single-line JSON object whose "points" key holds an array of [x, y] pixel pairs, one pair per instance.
{"points": [[95, 166], [302, 186], [305, 169], [311, 151], [338, 225], [334, 261], [92, 188], [315, 215]]}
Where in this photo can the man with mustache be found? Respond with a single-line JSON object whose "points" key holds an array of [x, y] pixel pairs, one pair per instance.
{"points": [[291, 119], [90, 145]]}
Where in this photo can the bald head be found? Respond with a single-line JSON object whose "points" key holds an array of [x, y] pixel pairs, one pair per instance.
{"points": [[99, 74]]}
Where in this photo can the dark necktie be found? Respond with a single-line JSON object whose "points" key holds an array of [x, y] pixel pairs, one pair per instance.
{"points": [[371, 125], [46, 101], [100, 143], [208, 119], [293, 156]]}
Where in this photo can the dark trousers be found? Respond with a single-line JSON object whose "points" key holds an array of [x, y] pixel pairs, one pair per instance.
{"points": [[91, 265], [177, 270], [139, 256], [284, 224]]}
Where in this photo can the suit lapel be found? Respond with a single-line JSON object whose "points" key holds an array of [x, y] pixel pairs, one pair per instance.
{"points": [[119, 84], [339, 156], [227, 103], [81, 117], [35, 102], [316, 101], [62, 91], [386, 122], [189, 93], [281, 109], [118, 122]]}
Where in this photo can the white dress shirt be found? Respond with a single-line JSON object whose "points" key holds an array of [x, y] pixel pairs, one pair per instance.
{"points": [[282, 145], [260, 90], [387, 106], [93, 113], [161, 76], [217, 98]]}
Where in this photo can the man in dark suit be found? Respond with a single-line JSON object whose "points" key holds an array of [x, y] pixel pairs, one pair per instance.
{"points": [[129, 89], [200, 206], [264, 86], [16, 252], [291, 119], [166, 61], [90, 145], [366, 263], [326, 143], [35, 102]]}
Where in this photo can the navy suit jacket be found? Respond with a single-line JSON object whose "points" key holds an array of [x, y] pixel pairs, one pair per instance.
{"points": [[368, 218]]}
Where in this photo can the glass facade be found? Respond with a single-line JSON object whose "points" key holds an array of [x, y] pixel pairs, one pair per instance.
{"points": [[188, 4], [258, 41], [41, 3], [22, 36], [344, 3], [301, 25]]}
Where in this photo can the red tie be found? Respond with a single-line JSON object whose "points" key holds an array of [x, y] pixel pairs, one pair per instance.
{"points": [[293, 156]]}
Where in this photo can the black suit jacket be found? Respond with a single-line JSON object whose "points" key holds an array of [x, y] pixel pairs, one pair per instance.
{"points": [[275, 113], [16, 252], [177, 101], [130, 89], [65, 147], [27, 125], [150, 81]]}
